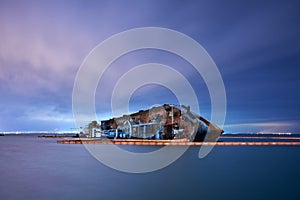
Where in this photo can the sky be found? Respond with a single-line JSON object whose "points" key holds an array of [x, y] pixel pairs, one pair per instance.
{"points": [[255, 45]]}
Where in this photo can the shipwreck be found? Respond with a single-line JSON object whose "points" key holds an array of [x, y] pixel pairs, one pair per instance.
{"points": [[165, 122]]}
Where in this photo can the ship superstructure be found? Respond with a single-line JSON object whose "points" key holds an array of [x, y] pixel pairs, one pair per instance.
{"points": [[159, 123]]}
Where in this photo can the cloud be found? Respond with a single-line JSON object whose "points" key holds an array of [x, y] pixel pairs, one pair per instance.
{"points": [[38, 46], [43, 44], [255, 38], [37, 52], [48, 114]]}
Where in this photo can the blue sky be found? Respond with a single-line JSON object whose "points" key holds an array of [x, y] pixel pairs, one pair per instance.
{"points": [[255, 45]]}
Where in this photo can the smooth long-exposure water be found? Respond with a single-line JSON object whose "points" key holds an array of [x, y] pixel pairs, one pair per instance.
{"points": [[38, 168]]}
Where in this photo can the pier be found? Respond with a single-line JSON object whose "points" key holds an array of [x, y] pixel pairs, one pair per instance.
{"points": [[172, 142]]}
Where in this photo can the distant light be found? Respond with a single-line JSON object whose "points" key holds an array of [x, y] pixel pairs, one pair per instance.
{"points": [[275, 133]]}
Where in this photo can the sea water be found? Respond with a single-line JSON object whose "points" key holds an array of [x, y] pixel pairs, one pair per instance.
{"points": [[39, 168]]}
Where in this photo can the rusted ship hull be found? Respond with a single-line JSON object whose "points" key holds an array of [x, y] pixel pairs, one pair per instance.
{"points": [[166, 122]]}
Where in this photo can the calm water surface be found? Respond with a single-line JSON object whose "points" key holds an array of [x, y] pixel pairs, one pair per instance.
{"points": [[37, 168]]}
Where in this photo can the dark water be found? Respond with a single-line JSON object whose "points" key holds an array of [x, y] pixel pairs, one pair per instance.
{"points": [[37, 168]]}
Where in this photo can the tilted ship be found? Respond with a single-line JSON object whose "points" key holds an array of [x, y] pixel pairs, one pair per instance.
{"points": [[166, 122]]}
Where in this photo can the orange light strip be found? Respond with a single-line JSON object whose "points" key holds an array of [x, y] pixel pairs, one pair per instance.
{"points": [[176, 143], [261, 137]]}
